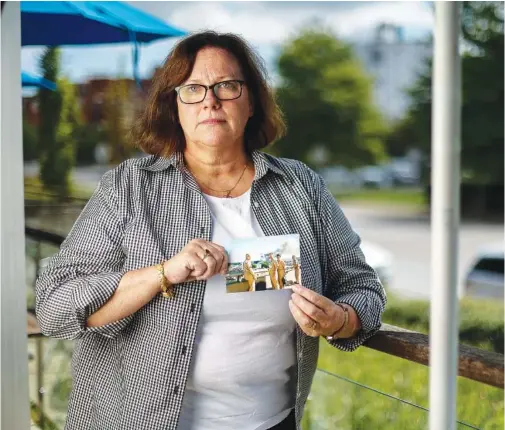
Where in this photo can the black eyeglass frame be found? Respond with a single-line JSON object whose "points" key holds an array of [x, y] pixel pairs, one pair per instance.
{"points": [[210, 87]]}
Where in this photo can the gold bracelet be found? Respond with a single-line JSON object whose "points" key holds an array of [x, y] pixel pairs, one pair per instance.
{"points": [[167, 289], [344, 325]]}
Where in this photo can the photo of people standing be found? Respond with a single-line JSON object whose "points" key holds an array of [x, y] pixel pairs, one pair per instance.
{"points": [[263, 264], [272, 271], [281, 271], [249, 274], [296, 268]]}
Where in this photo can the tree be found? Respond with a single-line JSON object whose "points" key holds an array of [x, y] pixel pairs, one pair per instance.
{"points": [[59, 116], [327, 101], [118, 113], [482, 122], [70, 119], [30, 144], [49, 111]]}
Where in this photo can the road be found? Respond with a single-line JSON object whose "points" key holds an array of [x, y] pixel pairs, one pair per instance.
{"points": [[406, 235]]}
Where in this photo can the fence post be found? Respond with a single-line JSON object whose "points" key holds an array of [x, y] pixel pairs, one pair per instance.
{"points": [[14, 346], [445, 176]]}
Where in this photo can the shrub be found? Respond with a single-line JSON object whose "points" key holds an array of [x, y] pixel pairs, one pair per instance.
{"points": [[481, 321]]}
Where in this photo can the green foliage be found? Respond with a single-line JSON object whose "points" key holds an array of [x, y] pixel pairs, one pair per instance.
{"points": [[57, 162], [118, 117], [482, 122], [87, 137], [50, 103], [36, 193], [59, 115], [60, 392], [327, 101], [40, 419], [481, 321], [405, 198], [30, 142]]}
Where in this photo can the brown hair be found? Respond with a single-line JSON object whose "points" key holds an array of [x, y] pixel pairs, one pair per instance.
{"points": [[158, 131]]}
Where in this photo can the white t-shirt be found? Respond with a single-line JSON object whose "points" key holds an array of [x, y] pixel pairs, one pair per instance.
{"points": [[243, 371]]}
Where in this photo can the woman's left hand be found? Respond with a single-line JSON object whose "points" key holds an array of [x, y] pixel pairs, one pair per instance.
{"points": [[316, 314]]}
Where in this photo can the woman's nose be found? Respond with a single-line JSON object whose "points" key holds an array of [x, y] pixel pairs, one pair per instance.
{"points": [[210, 99]]}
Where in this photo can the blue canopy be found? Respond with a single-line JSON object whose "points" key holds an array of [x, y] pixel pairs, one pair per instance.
{"points": [[60, 23], [28, 80]]}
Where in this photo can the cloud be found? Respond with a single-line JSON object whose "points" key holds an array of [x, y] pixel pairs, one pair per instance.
{"points": [[274, 22], [264, 24]]}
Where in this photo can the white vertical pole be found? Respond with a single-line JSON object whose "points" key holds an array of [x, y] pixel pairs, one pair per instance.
{"points": [[14, 348], [446, 148]]}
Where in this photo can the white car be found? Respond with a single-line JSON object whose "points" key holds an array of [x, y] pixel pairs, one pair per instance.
{"points": [[485, 278], [380, 259]]}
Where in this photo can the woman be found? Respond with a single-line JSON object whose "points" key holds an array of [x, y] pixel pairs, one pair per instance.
{"points": [[139, 281], [296, 267], [281, 271], [249, 274], [272, 272]]}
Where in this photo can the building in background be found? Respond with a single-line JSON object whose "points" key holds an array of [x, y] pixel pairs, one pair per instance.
{"points": [[91, 98], [394, 64]]}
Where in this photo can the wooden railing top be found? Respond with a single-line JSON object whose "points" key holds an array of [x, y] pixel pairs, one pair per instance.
{"points": [[474, 363]]}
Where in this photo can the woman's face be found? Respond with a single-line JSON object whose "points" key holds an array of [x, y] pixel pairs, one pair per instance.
{"points": [[247, 257], [229, 117]]}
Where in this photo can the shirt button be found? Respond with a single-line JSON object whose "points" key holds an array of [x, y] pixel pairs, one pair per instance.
{"points": [[256, 205], [176, 390]]}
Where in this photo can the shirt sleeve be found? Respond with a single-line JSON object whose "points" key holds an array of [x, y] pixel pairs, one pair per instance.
{"points": [[349, 278], [86, 271]]}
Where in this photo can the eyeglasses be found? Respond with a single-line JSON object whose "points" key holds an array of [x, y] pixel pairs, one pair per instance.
{"points": [[196, 93]]}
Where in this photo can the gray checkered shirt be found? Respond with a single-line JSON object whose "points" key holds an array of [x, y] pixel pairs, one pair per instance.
{"points": [[131, 374]]}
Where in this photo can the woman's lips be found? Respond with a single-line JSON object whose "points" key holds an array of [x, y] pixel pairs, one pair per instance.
{"points": [[213, 121]]}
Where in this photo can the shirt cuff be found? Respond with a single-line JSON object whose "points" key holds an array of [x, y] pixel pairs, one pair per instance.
{"points": [[92, 293], [369, 312]]}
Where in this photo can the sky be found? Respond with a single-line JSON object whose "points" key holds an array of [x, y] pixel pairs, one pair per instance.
{"points": [[265, 25], [256, 247]]}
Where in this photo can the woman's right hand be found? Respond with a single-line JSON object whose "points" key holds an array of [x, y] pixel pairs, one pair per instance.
{"points": [[198, 260]]}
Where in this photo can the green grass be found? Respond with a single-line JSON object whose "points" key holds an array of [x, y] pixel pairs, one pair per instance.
{"points": [[338, 404], [412, 198], [34, 190]]}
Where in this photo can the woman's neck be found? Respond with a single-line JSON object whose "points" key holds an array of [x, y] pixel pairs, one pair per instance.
{"points": [[217, 169], [214, 162]]}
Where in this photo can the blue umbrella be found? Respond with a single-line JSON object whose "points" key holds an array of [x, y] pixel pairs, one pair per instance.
{"points": [[28, 80], [60, 23]]}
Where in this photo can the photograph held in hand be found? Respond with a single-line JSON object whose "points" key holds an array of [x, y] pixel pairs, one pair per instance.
{"points": [[263, 264]]}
